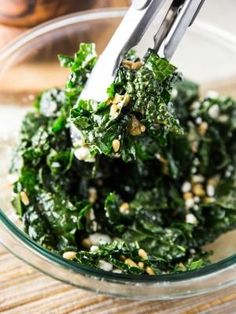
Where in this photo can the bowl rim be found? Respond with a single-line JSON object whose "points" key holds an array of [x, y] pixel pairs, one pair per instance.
{"points": [[214, 269]]}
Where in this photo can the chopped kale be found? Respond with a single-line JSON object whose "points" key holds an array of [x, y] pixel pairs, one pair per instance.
{"points": [[156, 191], [137, 110]]}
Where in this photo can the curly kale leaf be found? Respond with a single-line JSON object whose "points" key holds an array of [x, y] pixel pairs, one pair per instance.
{"points": [[137, 111], [183, 95], [80, 67]]}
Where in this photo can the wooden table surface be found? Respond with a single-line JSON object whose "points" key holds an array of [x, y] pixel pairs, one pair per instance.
{"points": [[24, 290]]}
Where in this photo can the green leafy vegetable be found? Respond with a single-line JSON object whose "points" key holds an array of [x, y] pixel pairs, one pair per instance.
{"points": [[136, 111], [156, 190]]}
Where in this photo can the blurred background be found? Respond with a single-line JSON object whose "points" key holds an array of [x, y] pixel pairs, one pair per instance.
{"points": [[17, 16]]}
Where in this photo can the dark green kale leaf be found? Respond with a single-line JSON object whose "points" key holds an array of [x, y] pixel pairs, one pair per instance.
{"points": [[137, 111], [64, 217], [80, 66], [183, 95]]}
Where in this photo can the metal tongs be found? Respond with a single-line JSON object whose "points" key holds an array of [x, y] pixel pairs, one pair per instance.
{"points": [[174, 17]]}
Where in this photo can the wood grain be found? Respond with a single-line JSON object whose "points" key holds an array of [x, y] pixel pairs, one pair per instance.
{"points": [[24, 290]]}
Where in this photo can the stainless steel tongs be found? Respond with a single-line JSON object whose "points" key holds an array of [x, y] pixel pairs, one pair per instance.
{"points": [[174, 16]]}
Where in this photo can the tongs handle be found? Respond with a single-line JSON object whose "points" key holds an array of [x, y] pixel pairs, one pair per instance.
{"points": [[179, 17], [174, 17], [127, 35], [133, 26]]}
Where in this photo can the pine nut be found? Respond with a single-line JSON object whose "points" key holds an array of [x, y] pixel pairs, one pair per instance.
{"points": [[142, 254], [24, 198], [150, 271], [70, 255], [116, 145], [130, 262]]}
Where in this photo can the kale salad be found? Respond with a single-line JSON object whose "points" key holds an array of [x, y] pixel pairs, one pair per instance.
{"points": [[150, 181]]}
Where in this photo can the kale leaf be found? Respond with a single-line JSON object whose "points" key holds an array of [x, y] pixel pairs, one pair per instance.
{"points": [[137, 111]]}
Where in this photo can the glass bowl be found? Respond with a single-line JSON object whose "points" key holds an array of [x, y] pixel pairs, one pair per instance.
{"points": [[29, 65]]}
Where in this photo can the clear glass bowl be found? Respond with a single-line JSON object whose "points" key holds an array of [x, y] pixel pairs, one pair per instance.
{"points": [[29, 65]]}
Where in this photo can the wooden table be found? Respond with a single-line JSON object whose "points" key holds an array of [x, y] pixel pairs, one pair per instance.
{"points": [[24, 290]]}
